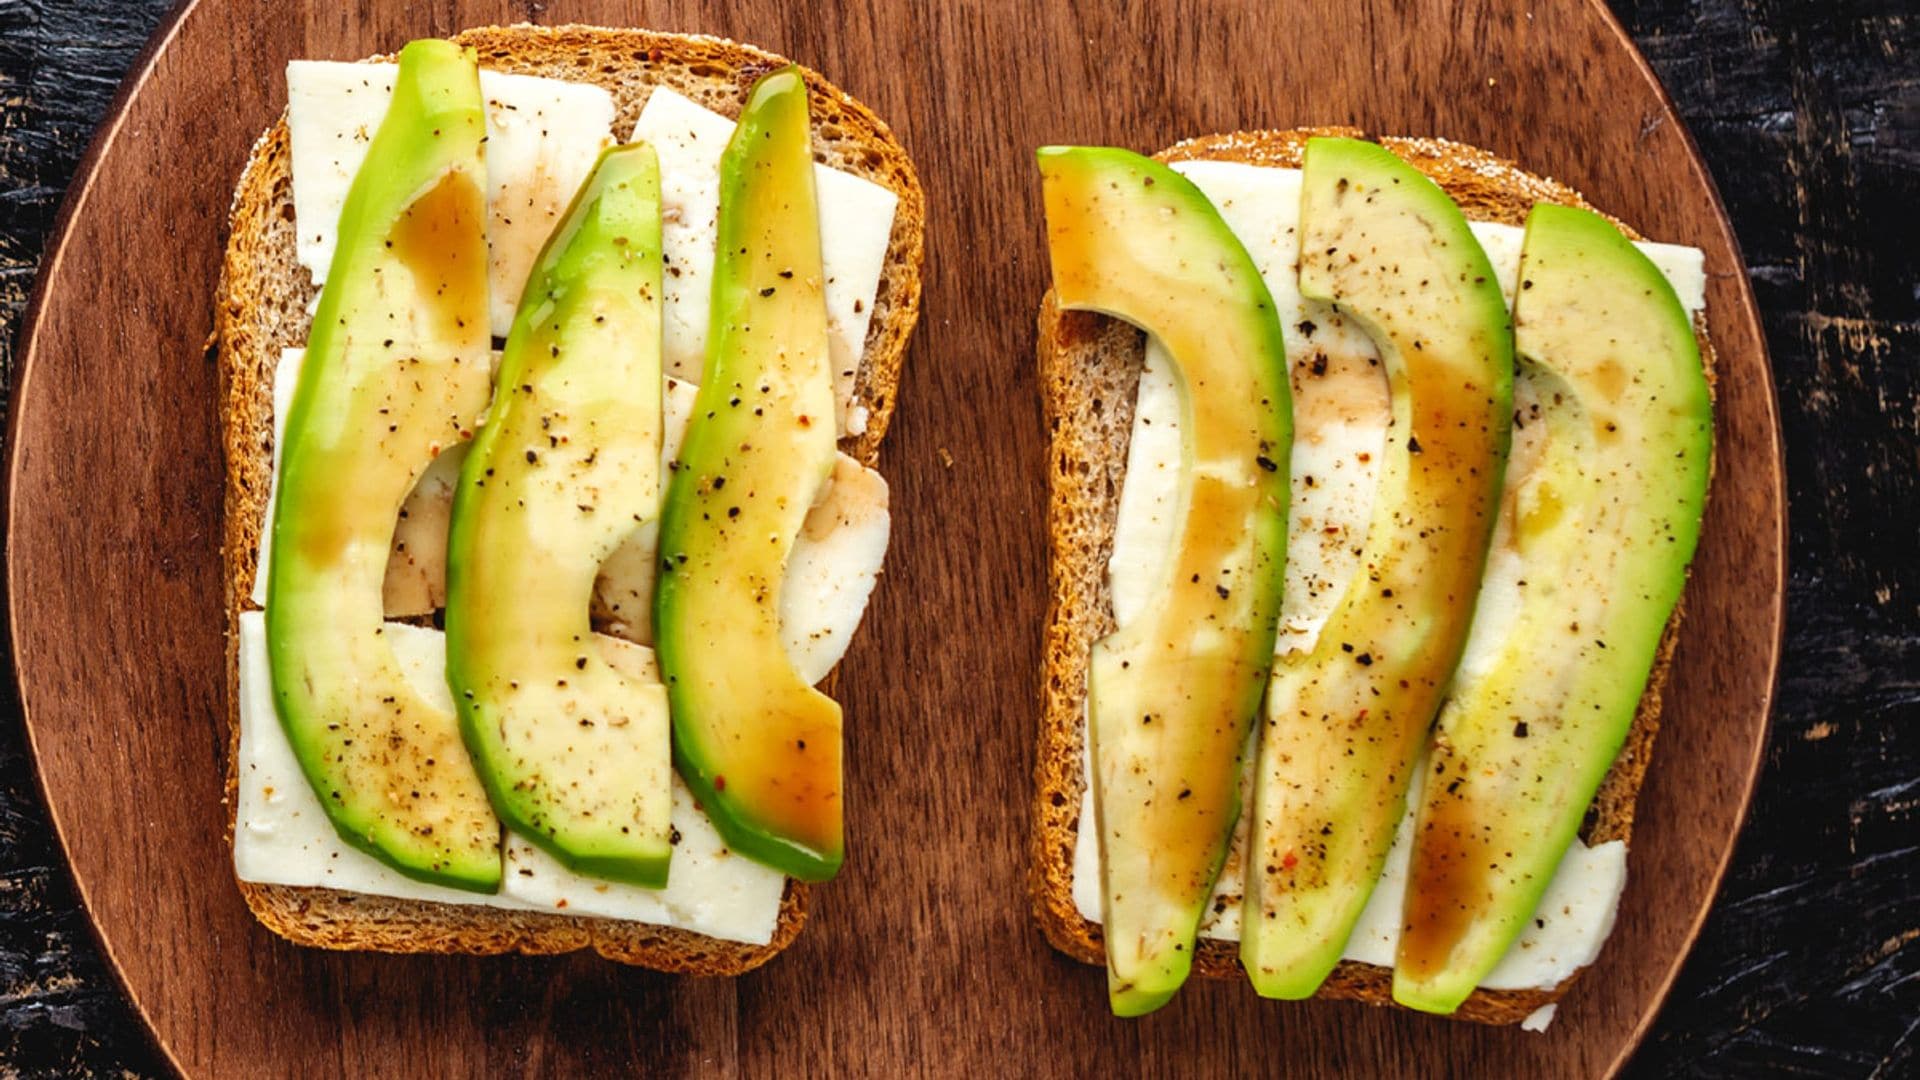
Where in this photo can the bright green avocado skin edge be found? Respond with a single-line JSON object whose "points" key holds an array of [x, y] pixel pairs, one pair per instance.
{"points": [[1203, 259], [436, 113], [586, 252], [1291, 962], [1596, 293], [775, 110]]}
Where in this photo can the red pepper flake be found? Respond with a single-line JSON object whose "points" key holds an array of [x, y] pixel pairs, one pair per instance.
{"points": [[1290, 861], [719, 783]]}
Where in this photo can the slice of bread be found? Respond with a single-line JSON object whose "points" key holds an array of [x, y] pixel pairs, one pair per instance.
{"points": [[262, 308], [1089, 372]]}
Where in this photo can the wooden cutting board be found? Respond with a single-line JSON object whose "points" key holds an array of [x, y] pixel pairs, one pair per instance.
{"points": [[922, 956]]}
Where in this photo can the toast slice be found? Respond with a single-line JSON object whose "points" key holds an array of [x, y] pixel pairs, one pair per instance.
{"points": [[262, 308], [1089, 373]]}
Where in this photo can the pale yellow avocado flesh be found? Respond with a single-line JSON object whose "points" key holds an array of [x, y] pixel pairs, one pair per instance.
{"points": [[1604, 525], [1172, 695], [574, 752], [759, 747], [396, 373], [1345, 722]]}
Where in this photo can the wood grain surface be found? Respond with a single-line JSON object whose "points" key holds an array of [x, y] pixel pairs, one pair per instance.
{"points": [[921, 958]]}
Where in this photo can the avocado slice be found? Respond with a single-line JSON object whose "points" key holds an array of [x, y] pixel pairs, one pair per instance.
{"points": [[574, 753], [396, 372], [1603, 526], [1345, 721], [757, 745], [1172, 695]]}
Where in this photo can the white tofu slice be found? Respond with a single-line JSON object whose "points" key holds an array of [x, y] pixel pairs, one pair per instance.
{"points": [[543, 136], [856, 220]]}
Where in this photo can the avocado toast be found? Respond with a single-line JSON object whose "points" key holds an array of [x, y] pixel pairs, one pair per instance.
{"points": [[263, 320], [1092, 377]]}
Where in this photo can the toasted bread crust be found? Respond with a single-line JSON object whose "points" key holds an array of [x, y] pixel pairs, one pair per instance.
{"points": [[1089, 374], [261, 309]]}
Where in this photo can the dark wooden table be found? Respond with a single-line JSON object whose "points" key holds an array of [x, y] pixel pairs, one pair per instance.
{"points": [[1809, 115]]}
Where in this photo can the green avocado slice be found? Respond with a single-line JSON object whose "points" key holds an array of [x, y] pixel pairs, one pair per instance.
{"points": [[1603, 525], [396, 372], [1173, 695], [574, 753], [757, 746], [1345, 722]]}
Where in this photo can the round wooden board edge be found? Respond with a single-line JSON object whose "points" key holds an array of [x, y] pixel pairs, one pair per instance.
{"points": [[78, 196], [1747, 310], [79, 193]]}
